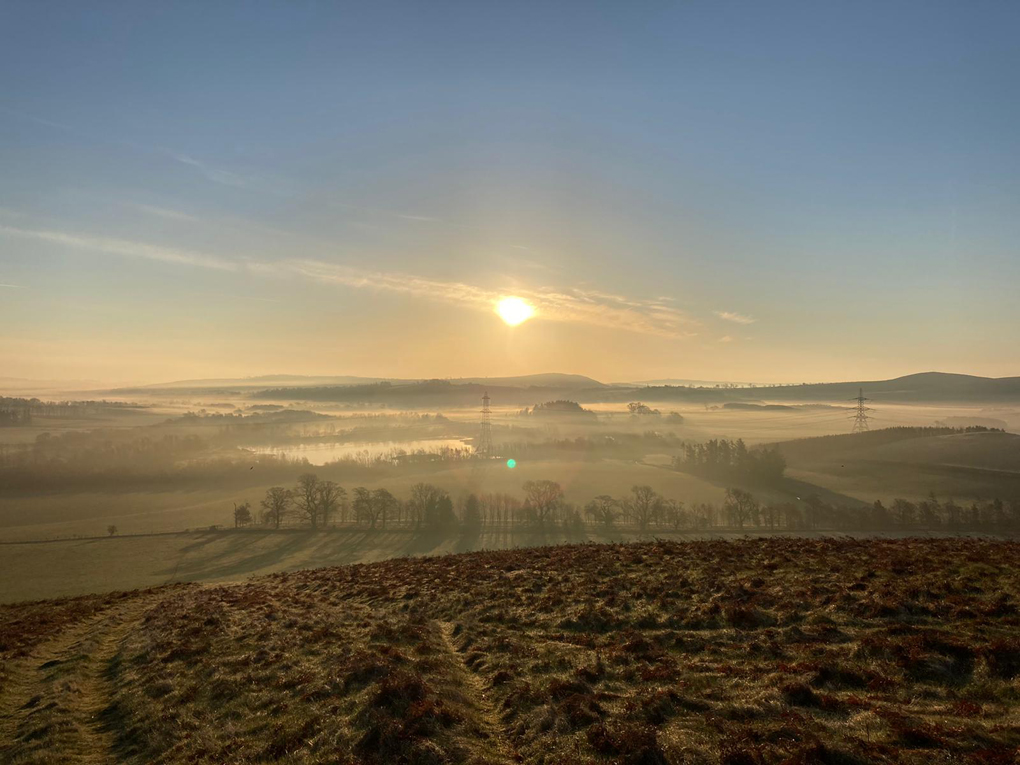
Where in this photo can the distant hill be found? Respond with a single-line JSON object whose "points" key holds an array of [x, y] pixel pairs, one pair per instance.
{"points": [[548, 380], [911, 462], [428, 394], [262, 381], [552, 380], [926, 387]]}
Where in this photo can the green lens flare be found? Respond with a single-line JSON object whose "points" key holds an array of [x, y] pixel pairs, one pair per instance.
{"points": [[511, 463]]}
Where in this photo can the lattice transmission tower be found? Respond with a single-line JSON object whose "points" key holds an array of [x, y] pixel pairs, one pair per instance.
{"points": [[860, 415], [484, 446]]}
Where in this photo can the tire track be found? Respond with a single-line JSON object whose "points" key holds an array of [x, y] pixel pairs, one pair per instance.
{"points": [[52, 706], [475, 689]]}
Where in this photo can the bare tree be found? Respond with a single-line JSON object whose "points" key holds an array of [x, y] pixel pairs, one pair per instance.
{"points": [[674, 514], [306, 498], [329, 497], [644, 506], [383, 504], [740, 507], [111, 529], [603, 510], [362, 505], [542, 499], [424, 504], [276, 504]]}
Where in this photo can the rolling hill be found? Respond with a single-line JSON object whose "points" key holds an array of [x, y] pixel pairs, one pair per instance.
{"points": [[926, 387], [911, 462]]}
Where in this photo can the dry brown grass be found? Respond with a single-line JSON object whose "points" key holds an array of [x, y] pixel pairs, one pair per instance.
{"points": [[758, 651]]}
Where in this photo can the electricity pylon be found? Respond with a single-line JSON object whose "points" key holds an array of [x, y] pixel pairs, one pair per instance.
{"points": [[484, 447], [861, 413]]}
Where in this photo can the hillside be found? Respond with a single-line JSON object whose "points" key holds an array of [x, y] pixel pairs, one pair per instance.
{"points": [[552, 380], [912, 461], [926, 387], [759, 652]]}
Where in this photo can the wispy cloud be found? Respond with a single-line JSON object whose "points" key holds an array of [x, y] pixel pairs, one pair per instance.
{"points": [[573, 305], [582, 306], [38, 120], [14, 286], [726, 339], [737, 318], [162, 212], [212, 173], [209, 171], [389, 213], [122, 247]]}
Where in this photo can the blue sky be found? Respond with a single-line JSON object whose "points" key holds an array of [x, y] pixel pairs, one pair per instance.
{"points": [[780, 191]]}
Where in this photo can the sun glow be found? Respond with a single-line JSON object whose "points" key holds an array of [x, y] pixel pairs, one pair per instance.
{"points": [[514, 310]]}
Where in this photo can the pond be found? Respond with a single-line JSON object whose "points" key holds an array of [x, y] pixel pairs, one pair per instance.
{"points": [[321, 453]]}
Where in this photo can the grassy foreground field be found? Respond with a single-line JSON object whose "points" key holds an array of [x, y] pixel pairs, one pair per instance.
{"points": [[754, 651]]}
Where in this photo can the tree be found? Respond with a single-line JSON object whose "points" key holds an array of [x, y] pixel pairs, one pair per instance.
{"points": [[904, 511], [637, 408], [444, 517], [674, 514], [542, 499], [603, 510], [879, 515], [740, 507], [424, 504], [383, 504], [275, 505], [644, 506], [111, 529], [362, 505], [329, 497], [306, 498], [242, 514], [814, 509], [472, 514]]}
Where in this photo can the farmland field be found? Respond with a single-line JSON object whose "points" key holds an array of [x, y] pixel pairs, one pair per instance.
{"points": [[753, 651]]}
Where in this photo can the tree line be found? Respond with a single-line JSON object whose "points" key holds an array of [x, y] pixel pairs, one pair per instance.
{"points": [[315, 503]]}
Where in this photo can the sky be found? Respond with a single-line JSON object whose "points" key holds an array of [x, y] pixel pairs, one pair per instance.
{"points": [[776, 192]]}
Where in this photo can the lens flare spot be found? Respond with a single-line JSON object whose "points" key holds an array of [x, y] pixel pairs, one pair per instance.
{"points": [[514, 310], [511, 463]]}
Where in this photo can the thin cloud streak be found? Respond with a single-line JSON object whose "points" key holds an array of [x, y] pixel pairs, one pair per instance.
{"points": [[14, 286], [210, 172], [579, 306], [163, 212], [736, 318], [122, 247], [214, 174], [575, 306]]}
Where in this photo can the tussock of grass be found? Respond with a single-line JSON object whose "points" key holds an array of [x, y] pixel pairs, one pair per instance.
{"points": [[758, 651]]}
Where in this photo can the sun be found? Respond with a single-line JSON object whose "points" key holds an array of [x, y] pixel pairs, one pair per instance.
{"points": [[514, 310]]}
